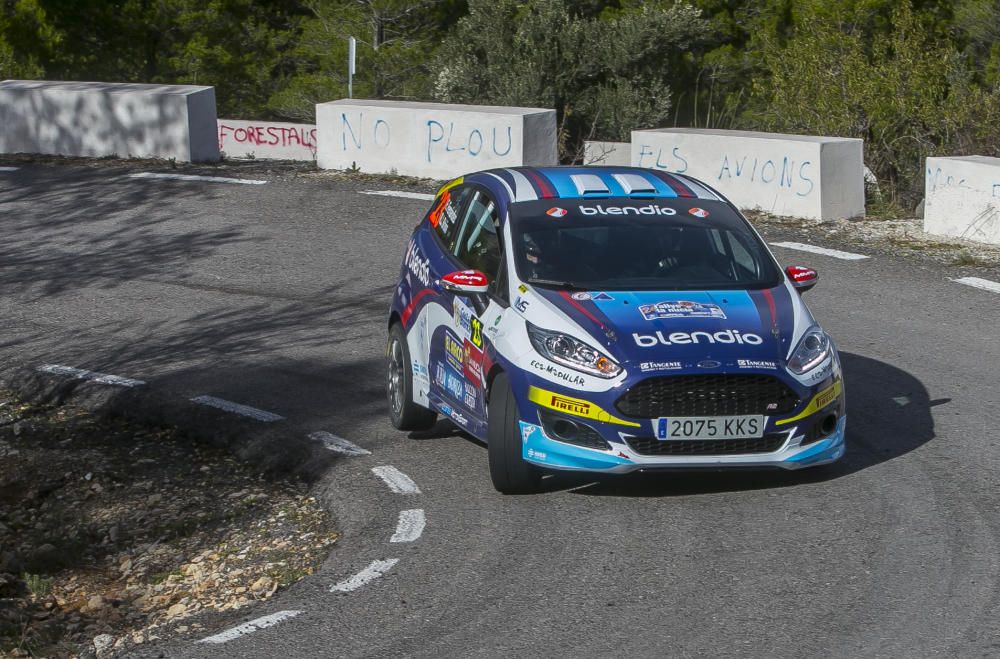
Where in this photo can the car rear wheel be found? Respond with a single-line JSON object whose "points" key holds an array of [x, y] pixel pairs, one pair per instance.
{"points": [[510, 472], [405, 414]]}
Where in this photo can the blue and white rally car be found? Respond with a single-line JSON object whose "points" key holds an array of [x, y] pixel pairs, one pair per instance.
{"points": [[608, 319]]}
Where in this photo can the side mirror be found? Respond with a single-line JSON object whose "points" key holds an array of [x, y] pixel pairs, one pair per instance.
{"points": [[465, 282], [802, 278]]}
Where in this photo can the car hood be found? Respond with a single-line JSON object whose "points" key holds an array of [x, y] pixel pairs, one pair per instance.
{"points": [[739, 329]]}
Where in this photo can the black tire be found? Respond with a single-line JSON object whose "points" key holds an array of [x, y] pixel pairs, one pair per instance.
{"points": [[405, 414], [511, 474]]}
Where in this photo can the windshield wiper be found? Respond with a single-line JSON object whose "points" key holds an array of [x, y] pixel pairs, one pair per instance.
{"points": [[568, 285]]}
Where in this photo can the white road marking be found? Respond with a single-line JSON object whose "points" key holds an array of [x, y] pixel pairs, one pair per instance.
{"points": [[338, 444], [192, 177], [367, 575], [410, 525], [976, 282], [250, 627], [397, 481], [83, 374], [236, 408], [835, 253], [423, 196], [9, 169]]}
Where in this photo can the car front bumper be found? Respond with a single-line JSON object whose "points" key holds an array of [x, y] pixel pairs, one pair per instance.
{"points": [[543, 451]]}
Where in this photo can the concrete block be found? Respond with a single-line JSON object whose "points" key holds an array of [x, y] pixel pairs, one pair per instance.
{"points": [[815, 178], [962, 198], [267, 140], [96, 119], [434, 140], [607, 153]]}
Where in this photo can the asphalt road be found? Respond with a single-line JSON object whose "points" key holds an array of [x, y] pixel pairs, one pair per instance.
{"points": [[275, 296]]}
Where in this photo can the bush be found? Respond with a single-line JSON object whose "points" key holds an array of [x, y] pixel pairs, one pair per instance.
{"points": [[909, 95]]}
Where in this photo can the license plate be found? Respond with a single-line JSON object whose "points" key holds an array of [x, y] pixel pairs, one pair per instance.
{"points": [[710, 427]]}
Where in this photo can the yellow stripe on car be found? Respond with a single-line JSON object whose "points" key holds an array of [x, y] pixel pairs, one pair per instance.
{"points": [[819, 401], [574, 406], [449, 185]]}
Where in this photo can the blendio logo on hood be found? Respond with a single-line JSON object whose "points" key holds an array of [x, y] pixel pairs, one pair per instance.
{"points": [[627, 210], [684, 338]]}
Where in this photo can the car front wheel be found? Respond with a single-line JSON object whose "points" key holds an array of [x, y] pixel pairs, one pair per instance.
{"points": [[510, 472]]}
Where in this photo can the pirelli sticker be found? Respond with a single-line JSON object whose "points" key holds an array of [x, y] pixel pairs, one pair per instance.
{"points": [[574, 406], [819, 401]]}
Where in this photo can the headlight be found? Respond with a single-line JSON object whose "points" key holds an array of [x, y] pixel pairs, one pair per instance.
{"points": [[575, 354], [813, 348]]}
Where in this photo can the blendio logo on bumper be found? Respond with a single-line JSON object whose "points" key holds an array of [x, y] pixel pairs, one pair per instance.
{"points": [[627, 210], [684, 338]]}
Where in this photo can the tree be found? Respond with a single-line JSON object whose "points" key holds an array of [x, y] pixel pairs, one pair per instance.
{"points": [[908, 94], [603, 76], [396, 40]]}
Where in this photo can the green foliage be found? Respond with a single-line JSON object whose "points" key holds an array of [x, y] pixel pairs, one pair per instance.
{"points": [[604, 76], [895, 83], [396, 39]]}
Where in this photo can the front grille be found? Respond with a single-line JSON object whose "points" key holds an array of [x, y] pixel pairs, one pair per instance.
{"points": [[651, 446], [708, 395]]}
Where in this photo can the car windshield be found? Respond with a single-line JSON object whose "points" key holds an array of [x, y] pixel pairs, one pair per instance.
{"points": [[662, 244]]}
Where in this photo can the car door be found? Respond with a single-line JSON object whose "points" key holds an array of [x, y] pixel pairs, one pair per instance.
{"points": [[457, 353]]}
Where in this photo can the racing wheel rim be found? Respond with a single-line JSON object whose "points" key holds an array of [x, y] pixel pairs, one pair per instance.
{"points": [[396, 377]]}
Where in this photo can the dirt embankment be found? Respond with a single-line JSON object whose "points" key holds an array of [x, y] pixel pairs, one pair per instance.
{"points": [[113, 534]]}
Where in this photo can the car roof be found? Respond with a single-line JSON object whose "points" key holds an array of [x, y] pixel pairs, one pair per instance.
{"points": [[519, 184]]}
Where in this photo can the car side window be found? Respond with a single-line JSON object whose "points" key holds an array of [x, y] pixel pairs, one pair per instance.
{"points": [[444, 217], [478, 246]]}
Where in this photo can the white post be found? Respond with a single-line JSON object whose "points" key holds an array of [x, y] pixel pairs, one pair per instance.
{"points": [[351, 50]]}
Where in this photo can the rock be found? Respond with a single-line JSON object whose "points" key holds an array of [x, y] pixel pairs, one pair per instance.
{"points": [[176, 610], [95, 603], [46, 558], [103, 644], [154, 499], [264, 587], [113, 533]]}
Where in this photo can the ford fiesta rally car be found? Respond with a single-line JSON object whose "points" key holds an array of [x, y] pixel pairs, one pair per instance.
{"points": [[608, 319]]}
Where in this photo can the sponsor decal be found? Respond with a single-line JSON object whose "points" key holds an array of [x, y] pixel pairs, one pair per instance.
{"points": [[820, 374], [453, 351], [420, 371], [681, 309], [565, 376], [819, 401], [521, 304], [526, 431], [450, 381], [473, 364], [469, 277], [470, 400], [756, 363], [581, 296], [419, 266], [448, 410], [621, 454], [555, 211], [573, 406], [686, 338], [698, 212], [462, 317], [537, 455], [603, 297], [521, 288], [477, 332], [646, 367], [649, 209]]}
